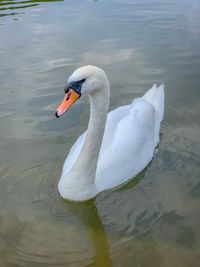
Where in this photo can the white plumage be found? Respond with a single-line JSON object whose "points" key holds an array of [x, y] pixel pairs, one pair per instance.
{"points": [[129, 140]]}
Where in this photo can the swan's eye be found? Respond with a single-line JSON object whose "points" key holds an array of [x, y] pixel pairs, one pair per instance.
{"points": [[81, 82], [76, 86]]}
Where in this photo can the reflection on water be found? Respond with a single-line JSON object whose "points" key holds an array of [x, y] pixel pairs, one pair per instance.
{"points": [[88, 216], [152, 221], [12, 7]]}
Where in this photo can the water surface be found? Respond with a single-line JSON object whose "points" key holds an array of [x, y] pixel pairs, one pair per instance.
{"points": [[154, 220]]}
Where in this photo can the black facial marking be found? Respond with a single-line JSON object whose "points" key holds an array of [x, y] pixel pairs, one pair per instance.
{"points": [[76, 86]]}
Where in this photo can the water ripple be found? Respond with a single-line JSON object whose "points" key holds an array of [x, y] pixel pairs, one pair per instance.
{"points": [[7, 6]]}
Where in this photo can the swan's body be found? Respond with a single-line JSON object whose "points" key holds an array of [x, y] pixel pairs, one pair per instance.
{"points": [[101, 160]]}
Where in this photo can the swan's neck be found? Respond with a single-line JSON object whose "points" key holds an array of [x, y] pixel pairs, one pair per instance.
{"points": [[84, 169], [86, 163]]}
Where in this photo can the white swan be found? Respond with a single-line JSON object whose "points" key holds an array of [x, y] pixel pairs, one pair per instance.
{"points": [[115, 147]]}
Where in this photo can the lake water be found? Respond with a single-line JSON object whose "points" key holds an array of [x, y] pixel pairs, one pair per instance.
{"points": [[152, 221]]}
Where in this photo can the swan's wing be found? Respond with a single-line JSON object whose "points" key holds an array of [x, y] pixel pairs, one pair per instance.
{"points": [[131, 147], [112, 121]]}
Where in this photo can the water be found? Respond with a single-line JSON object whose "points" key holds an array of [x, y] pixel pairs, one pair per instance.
{"points": [[154, 220]]}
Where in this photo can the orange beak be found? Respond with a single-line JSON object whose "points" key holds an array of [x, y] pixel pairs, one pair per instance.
{"points": [[69, 99]]}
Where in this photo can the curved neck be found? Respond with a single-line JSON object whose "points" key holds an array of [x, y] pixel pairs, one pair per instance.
{"points": [[86, 163]]}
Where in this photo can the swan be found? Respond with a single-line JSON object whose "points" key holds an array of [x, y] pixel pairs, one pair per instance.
{"points": [[116, 146]]}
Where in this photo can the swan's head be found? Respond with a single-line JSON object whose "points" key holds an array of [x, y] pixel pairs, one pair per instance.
{"points": [[83, 81]]}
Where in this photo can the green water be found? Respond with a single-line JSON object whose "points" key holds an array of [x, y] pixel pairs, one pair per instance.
{"points": [[154, 220]]}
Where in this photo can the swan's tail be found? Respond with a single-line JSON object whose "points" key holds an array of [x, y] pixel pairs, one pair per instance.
{"points": [[156, 97]]}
